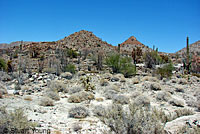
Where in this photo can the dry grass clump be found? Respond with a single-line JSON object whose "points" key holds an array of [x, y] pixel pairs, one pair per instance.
{"points": [[78, 112], [46, 101], [15, 120], [80, 97], [137, 120]]}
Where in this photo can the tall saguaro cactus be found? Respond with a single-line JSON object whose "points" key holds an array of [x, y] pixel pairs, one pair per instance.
{"points": [[188, 56]]}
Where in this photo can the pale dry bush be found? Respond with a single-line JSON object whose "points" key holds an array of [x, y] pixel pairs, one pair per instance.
{"points": [[80, 97], [78, 112], [137, 120], [46, 101]]}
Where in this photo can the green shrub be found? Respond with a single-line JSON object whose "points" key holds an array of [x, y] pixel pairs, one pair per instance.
{"points": [[151, 59], [126, 67], [121, 64], [2, 64], [165, 71], [15, 120], [113, 61], [70, 68], [71, 53]]}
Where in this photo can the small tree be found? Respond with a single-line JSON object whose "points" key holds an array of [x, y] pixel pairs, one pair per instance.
{"points": [[113, 62]]}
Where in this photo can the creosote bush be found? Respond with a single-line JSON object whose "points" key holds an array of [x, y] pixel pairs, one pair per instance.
{"points": [[121, 64], [15, 120]]}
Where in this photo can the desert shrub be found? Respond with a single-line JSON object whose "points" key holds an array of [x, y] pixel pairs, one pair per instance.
{"points": [[80, 96], [46, 101], [182, 112], [75, 89], [71, 53], [165, 71], [126, 67], [58, 86], [163, 96], [99, 110], [15, 120], [53, 95], [121, 99], [78, 112], [70, 68], [113, 61], [134, 120], [49, 70], [151, 59], [2, 64], [110, 94], [121, 64], [142, 100]]}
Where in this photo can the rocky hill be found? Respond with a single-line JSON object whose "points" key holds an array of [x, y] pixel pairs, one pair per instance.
{"points": [[132, 42], [85, 39]]}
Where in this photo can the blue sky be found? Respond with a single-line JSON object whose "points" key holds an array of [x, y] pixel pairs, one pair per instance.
{"points": [[163, 23]]}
